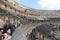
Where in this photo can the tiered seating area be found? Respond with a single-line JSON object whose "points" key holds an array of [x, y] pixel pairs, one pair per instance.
{"points": [[29, 17]]}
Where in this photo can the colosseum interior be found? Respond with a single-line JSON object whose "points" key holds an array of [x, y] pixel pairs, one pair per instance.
{"points": [[33, 21]]}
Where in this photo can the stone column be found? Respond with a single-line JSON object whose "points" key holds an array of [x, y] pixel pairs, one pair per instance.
{"points": [[38, 36], [6, 18], [41, 37], [12, 20]]}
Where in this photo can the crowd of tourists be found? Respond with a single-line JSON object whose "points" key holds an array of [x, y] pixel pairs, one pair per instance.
{"points": [[7, 31]]}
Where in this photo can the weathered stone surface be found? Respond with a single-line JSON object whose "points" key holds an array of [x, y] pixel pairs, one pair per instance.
{"points": [[18, 35]]}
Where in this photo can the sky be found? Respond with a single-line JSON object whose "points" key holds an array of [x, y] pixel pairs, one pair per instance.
{"points": [[41, 4]]}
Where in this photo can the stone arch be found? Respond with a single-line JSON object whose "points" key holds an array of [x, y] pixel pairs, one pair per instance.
{"points": [[37, 33], [19, 35], [42, 34]]}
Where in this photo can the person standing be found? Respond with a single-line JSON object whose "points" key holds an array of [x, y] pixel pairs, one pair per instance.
{"points": [[7, 26]]}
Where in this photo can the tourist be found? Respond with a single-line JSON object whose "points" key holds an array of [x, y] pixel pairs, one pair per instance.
{"points": [[1, 34], [8, 25], [7, 35]]}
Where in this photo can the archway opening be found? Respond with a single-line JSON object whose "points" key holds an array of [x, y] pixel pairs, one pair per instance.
{"points": [[42, 32]]}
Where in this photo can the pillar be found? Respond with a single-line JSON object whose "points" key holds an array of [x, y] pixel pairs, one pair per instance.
{"points": [[41, 37], [12, 20], [6, 18]]}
